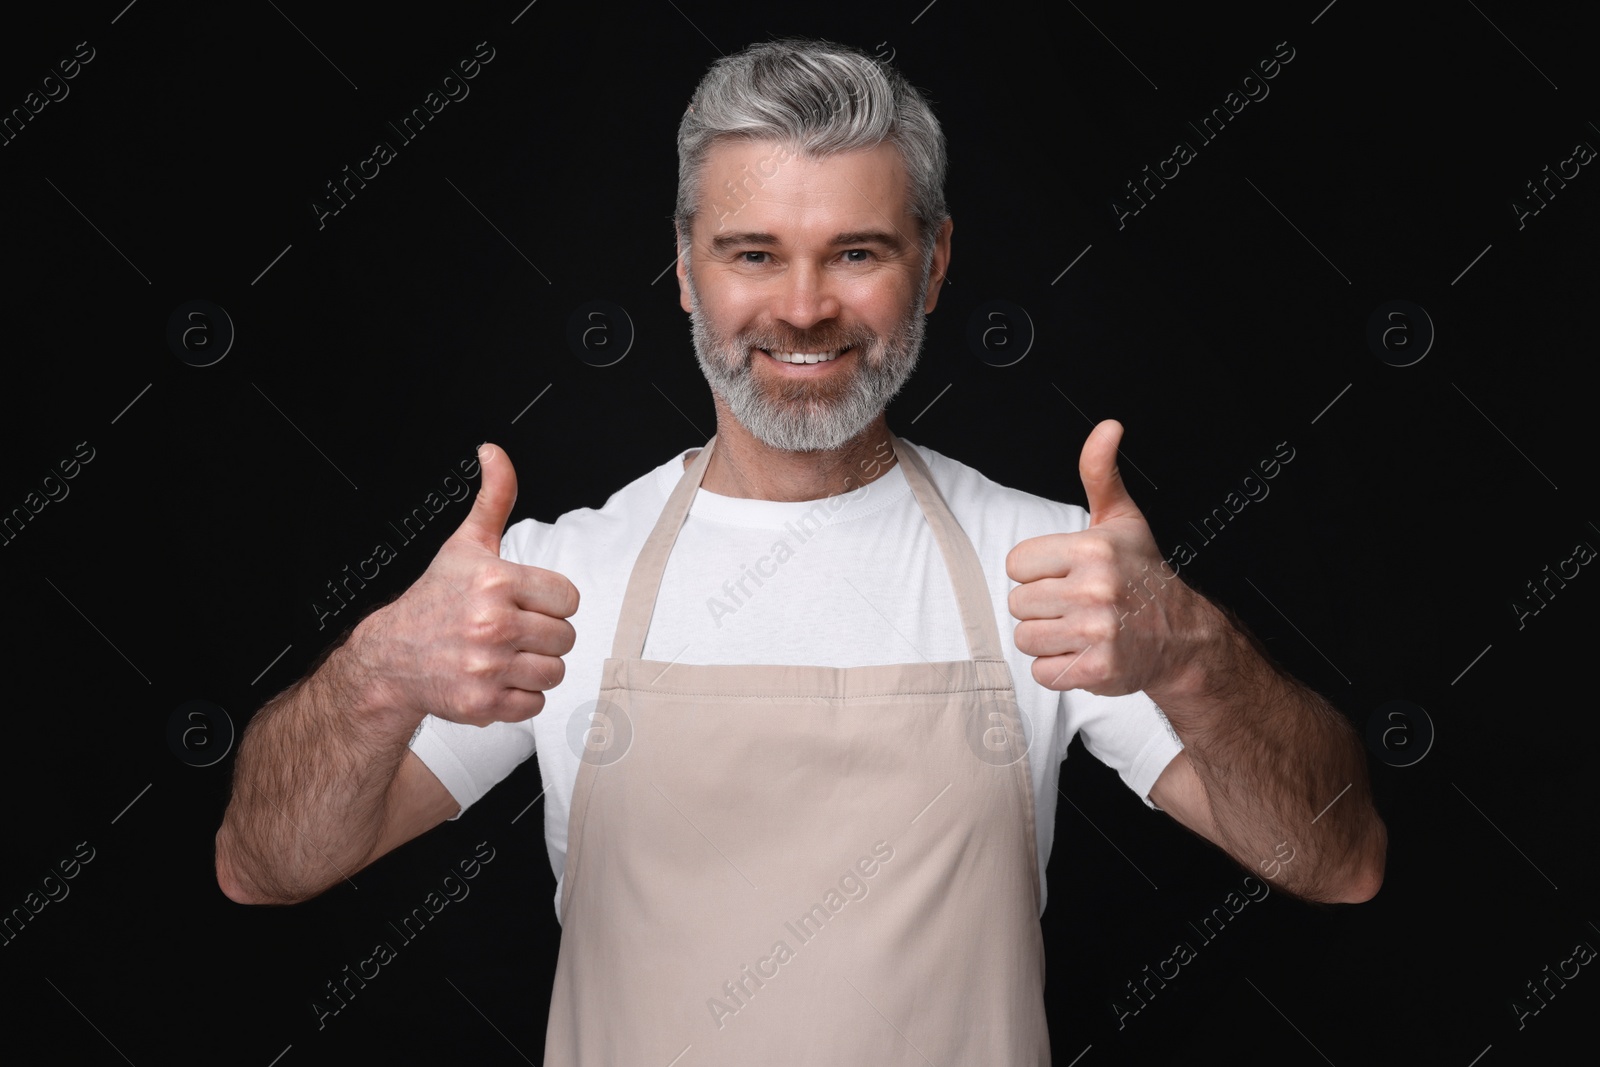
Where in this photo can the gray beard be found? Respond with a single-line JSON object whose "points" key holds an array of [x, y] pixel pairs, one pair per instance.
{"points": [[804, 416]]}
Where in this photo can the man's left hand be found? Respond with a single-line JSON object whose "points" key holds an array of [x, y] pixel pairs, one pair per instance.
{"points": [[1100, 609]]}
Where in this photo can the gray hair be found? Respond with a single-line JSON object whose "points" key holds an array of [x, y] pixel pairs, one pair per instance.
{"points": [[820, 98]]}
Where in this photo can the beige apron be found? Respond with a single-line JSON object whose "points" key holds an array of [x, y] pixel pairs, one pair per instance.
{"points": [[799, 864]]}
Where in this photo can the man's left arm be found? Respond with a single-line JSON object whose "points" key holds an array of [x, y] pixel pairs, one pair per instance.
{"points": [[1270, 772]]}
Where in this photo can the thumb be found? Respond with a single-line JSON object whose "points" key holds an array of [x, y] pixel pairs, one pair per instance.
{"points": [[1102, 482], [487, 520]]}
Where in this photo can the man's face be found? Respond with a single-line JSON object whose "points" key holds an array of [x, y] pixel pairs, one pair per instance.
{"points": [[805, 287]]}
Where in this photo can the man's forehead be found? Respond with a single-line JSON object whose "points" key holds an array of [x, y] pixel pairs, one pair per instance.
{"points": [[765, 185]]}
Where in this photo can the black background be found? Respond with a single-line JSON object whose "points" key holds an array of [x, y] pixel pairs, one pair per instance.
{"points": [[379, 349]]}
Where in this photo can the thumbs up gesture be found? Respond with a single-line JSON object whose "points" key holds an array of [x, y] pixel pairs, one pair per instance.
{"points": [[476, 639], [1099, 609]]}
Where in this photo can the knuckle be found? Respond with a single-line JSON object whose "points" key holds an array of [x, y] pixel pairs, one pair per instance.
{"points": [[549, 636], [1048, 673], [520, 706], [471, 713], [557, 596], [533, 704], [569, 637], [492, 580], [1101, 628], [479, 663], [487, 698], [1022, 637], [1104, 589], [483, 630], [554, 670]]}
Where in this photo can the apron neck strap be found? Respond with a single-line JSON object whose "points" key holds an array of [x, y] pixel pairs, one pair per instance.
{"points": [[960, 558], [639, 602]]}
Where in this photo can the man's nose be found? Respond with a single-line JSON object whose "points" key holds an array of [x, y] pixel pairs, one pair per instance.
{"points": [[805, 297]]}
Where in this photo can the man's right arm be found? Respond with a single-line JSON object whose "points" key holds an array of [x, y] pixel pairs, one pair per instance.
{"points": [[325, 781], [324, 784]]}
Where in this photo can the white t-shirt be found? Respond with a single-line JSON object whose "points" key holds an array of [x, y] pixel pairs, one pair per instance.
{"points": [[850, 580]]}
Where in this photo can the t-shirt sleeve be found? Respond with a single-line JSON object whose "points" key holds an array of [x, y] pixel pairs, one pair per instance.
{"points": [[471, 760], [1129, 734]]}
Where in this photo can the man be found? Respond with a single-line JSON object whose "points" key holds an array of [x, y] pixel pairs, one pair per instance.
{"points": [[801, 809]]}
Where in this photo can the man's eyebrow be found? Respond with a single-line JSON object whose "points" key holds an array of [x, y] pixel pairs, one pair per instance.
{"points": [[722, 242], [882, 238]]}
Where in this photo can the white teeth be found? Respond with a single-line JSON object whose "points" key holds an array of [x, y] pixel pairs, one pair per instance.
{"points": [[804, 357]]}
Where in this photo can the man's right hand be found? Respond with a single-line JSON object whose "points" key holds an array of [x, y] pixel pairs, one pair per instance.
{"points": [[324, 782], [476, 639]]}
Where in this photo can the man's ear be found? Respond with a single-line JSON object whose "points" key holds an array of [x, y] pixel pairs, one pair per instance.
{"points": [[940, 265], [682, 269]]}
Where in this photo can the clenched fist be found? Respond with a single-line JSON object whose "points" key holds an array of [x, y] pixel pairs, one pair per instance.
{"points": [[477, 639], [1099, 608]]}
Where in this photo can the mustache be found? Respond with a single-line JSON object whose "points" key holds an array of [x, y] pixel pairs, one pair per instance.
{"points": [[823, 341]]}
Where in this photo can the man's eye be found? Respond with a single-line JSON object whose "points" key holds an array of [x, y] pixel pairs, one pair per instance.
{"points": [[752, 257], [857, 255]]}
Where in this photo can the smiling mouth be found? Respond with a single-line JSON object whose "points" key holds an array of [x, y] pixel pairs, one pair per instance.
{"points": [[807, 357]]}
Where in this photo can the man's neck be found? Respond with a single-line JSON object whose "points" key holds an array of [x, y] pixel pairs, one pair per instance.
{"points": [[744, 466]]}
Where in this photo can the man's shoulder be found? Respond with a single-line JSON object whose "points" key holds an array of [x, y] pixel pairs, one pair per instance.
{"points": [[625, 517], [990, 511]]}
